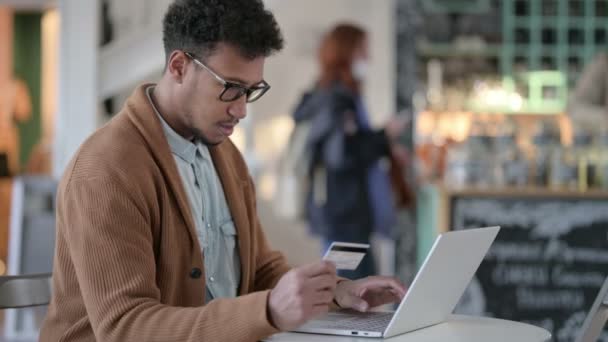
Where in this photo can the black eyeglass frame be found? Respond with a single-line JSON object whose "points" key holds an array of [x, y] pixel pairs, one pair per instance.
{"points": [[261, 88]]}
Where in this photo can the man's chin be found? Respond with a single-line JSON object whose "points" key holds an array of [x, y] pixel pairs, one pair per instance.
{"points": [[211, 142], [214, 143]]}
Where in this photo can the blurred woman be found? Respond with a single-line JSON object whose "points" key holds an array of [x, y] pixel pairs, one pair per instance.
{"points": [[349, 193]]}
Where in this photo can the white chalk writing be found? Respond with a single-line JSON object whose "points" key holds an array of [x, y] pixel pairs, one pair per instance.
{"points": [[533, 299], [544, 219], [576, 278], [531, 275], [515, 251]]}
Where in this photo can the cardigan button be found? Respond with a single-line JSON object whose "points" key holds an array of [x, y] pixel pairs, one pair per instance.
{"points": [[196, 273]]}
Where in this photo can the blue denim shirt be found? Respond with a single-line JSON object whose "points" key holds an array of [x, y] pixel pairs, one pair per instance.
{"points": [[214, 226]]}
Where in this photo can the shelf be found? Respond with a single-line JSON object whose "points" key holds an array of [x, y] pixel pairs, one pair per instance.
{"points": [[427, 49], [529, 191]]}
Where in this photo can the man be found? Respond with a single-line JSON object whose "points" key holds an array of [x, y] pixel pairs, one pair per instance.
{"points": [[157, 234]]}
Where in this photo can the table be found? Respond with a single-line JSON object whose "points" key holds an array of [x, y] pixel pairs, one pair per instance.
{"points": [[457, 328]]}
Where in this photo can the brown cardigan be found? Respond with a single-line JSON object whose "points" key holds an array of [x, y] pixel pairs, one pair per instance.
{"points": [[128, 263]]}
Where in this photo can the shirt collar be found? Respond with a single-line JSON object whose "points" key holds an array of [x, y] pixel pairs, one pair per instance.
{"points": [[180, 146]]}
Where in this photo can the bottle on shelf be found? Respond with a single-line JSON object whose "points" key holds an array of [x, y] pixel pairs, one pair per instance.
{"points": [[510, 164], [601, 155], [546, 147], [457, 166], [572, 166], [563, 170], [586, 163], [479, 170]]}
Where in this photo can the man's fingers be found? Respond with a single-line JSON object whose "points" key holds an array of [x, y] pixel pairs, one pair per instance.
{"points": [[383, 282], [318, 310], [388, 297], [377, 298], [355, 303], [358, 304], [323, 282], [398, 294], [323, 297], [318, 268]]}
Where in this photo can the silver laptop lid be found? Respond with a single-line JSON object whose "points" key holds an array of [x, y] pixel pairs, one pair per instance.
{"points": [[596, 318], [442, 279]]}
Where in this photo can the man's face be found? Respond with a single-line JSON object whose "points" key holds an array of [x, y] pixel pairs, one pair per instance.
{"points": [[201, 112]]}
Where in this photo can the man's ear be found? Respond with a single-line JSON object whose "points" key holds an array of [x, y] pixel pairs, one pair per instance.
{"points": [[176, 66]]}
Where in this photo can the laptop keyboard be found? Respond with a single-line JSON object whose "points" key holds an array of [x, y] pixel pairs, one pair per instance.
{"points": [[352, 320]]}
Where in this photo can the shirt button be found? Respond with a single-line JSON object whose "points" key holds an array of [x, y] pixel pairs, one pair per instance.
{"points": [[211, 279], [196, 273], [208, 225]]}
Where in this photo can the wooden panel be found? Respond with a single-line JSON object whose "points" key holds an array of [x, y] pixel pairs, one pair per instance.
{"points": [[526, 192]]}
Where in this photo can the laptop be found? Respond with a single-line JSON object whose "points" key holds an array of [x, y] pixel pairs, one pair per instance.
{"points": [[430, 299], [597, 318]]}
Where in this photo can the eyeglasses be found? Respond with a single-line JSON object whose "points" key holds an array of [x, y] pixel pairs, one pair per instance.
{"points": [[233, 91]]}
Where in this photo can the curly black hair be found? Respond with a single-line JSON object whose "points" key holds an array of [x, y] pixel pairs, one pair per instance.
{"points": [[197, 26]]}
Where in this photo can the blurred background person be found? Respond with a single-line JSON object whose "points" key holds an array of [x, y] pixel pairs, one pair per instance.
{"points": [[349, 194]]}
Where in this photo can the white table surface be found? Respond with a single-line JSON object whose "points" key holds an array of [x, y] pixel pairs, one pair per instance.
{"points": [[457, 329]]}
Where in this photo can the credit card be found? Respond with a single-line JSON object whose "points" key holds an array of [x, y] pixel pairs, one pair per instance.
{"points": [[345, 255]]}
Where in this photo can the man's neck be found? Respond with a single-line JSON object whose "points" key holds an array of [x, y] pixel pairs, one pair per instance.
{"points": [[163, 105]]}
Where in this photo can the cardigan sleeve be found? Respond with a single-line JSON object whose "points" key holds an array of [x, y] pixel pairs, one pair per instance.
{"points": [[110, 242]]}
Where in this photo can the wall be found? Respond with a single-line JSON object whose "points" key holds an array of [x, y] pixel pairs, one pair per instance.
{"points": [[78, 78], [134, 15], [294, 70]]}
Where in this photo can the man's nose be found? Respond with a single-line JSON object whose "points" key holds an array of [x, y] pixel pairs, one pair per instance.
{"points": [[238, 108]]}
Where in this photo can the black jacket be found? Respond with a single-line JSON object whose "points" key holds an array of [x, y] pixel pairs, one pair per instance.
{"points": [[345, 150]]}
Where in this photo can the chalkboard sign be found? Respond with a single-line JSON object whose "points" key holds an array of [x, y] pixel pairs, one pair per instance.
{"points": [[546, 265]]}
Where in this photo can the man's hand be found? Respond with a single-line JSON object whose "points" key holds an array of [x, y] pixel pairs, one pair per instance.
{"points": [[301, 294], [395, 126], [366, 293], [400, 154]]}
